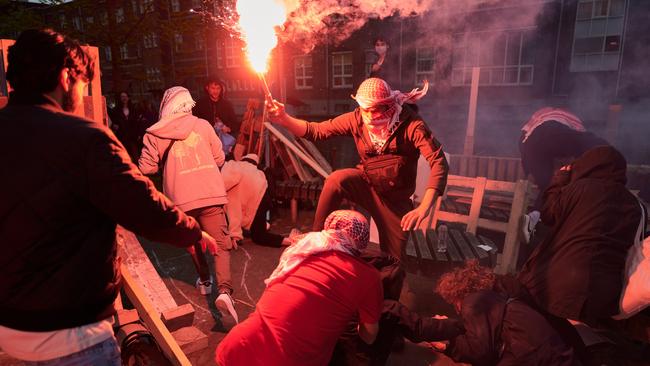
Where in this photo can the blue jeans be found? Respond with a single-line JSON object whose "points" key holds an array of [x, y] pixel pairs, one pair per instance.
{"points": [[106, 353]]}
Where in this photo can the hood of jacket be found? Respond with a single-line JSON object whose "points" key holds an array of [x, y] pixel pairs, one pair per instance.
{"points": [[174, 127], [602, 162]]}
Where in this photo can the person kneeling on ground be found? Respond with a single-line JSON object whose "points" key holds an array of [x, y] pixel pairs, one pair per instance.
{"points": [[248, 202], [499, 330], [319, 285]]}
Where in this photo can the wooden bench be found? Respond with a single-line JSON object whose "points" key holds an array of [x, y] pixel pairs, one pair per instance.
{"points": [[467, 201], [422, 255]]}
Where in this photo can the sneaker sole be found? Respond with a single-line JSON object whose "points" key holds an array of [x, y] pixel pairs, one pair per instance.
{"points": [[226, 308]]}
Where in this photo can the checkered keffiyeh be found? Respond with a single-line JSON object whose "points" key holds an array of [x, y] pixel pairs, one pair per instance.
{"points": [[552, 114], [344, 231], [374, 92], [176, 100]]}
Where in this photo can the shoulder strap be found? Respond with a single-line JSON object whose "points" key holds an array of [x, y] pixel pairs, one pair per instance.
{"points": [[163, 159]]}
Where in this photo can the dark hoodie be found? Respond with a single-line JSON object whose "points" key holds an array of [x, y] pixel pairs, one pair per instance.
{"points": [[208, 110], [577, 271]]}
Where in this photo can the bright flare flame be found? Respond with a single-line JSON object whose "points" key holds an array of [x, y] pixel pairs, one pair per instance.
{"points": [[258, 19]]}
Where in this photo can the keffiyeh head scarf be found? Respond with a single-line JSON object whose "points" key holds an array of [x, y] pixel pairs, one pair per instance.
{"points": [[176, 100], [552, 114], [344, 231], [375, 92]]}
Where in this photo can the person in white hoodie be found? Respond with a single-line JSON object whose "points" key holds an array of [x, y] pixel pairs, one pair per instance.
{"points": [[189, 153]]}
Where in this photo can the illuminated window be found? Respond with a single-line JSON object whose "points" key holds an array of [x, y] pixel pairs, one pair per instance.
{"points": [[176, 6], [505, 58], [597, 36], [341, 70], [304, 76], [150, 40], [119, 15]]}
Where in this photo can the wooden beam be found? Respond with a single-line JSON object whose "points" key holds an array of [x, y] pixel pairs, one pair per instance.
{"points": [[471, 117], [296, 150], [151, 318]]}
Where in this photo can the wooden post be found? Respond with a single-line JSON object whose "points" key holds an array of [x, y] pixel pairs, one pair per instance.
{"points": [[471, 117], [613, 122], [296, 150]]}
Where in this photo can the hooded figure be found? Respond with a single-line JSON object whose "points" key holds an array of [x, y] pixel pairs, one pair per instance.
{"points": [[189, 153], [577, 271]]}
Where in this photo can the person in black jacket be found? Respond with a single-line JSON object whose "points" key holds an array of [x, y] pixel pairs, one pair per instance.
{"points": [[215, 108], [67, 182], [577, 271], [498, 329], [549, 136]]}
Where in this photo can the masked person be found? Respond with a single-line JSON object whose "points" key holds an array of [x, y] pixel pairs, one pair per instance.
{"points": [[389, 136], [551, 134], [318, 287], [189, 153]]}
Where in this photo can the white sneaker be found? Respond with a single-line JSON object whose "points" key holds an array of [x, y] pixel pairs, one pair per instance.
{"points": [[204, 287], [226, 306]]}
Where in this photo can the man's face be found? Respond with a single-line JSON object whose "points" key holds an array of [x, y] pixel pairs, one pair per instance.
{"points": [[124, 98], [214, 91], [72, 99], [374, 113]]}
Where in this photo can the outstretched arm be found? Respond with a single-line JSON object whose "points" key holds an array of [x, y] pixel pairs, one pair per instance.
{"points": [[278, 114]]}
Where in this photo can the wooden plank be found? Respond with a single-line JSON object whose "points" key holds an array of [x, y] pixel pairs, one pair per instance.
{"points": [[471, 115], [432, 239], [512, 240], [493, 225], [300, 170], [142, 270], [512, 171], [284, 157], [475, 208], [492, 169], [501, 186], [421, 242], [472, 162], [316, 154], [462, 244], [452, 251], [296, 150], [151, 318], [453, 217], [474, 242]]}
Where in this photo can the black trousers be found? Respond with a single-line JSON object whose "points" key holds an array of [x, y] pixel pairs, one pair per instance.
{"points": [[387, 211]]}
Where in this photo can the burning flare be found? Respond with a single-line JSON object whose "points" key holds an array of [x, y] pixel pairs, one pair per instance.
{"points": [[258, 20]]}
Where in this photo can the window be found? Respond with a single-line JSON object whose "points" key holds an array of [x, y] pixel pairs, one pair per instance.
{"points": [[90, 20], [136, 7], [108, 55], [423, 64], [178, 42], [302, 66], [153, 75], [124, 51], [176, 6], [507, 59], [342, 70], [219, 50], [76, 23], [197, 4], [199, 41], [597, 36], [371, 58], [233, 52], [62, 21], [119, 15], [150, 40], [103, 18], [146, 6]]}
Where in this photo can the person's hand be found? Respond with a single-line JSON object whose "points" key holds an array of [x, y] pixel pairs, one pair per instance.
{"points": [[234, 243], [566, 168], [276, 111], [225, 129], [414, 218], [440, 317], [376, 67], [206, 242]]}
